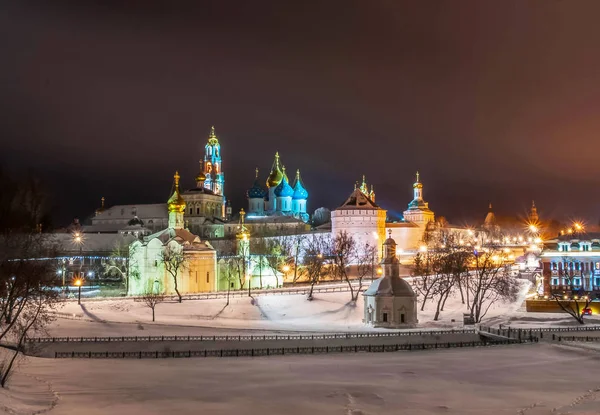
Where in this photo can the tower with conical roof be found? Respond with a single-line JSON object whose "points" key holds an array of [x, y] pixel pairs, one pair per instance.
{"points": [[418, 210], [490, 218], [176, 205], [533, 214]]}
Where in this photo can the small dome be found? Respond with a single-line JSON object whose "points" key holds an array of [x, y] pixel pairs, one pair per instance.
{"points": [[300, 192], [256, 191], [176, 203], [284, 189], [135, 221], [385, 286], [201, 177]]}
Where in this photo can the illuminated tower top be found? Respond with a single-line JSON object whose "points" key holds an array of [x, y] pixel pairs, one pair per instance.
{"points": [[211, 168], [533, 214], [276, 174], [176, 205], [364, 188], [418, 209], [418, 188]]}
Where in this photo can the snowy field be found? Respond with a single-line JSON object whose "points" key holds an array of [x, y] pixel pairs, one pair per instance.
{"points": [[534, 379], [329, 312]]}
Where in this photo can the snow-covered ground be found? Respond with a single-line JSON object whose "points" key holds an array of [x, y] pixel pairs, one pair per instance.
{"points": [[535, 379], [327, 312]]}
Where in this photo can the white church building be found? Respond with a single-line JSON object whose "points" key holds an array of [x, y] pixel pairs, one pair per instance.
{"points": [[198, 260], [390, 301]]}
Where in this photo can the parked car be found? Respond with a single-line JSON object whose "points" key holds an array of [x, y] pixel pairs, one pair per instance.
{"points": [[587, 311]]}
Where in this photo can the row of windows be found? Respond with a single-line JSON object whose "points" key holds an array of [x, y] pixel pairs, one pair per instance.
{"points": [[576, 282], [566, 247], [574, 266]]}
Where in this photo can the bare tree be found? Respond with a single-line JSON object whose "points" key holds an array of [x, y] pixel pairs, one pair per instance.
{"points": [[119, 265], [575, 300], [275, 253], [366, 261], [424, 277], [490, 280], [314, 266], [174, 261], [27, 275], [343, 253], [152, 297]]}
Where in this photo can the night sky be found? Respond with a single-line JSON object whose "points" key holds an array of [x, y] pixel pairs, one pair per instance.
{"points": [[491, 101]]}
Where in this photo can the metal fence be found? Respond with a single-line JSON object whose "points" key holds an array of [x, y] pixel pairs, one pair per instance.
{"points": [[577, 339], [214, 295], [558, 329], [280, 351], [241, 338], [518, 333]]}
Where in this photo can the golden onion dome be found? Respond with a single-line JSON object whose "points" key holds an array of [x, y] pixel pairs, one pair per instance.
{"points": [[201, 177], [418, 184], [276, 174], [176, 202]]}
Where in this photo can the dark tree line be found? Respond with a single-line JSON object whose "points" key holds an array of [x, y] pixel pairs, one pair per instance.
{"points": [[27, 276]]}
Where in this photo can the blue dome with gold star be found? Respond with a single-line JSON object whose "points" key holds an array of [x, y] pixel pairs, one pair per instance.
{"points": [[256, 191]]}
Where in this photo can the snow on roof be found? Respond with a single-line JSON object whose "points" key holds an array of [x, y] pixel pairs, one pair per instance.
{"points": [[143, 211], [182, 236], [93, 242], [358, 200]]}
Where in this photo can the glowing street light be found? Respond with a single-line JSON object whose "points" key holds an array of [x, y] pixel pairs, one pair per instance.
{"points": [[78, 283], [533, 228], [286, 268]]}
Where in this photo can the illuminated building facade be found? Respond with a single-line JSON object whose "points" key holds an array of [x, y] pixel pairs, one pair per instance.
{"points": [[147, 263], [360, 218], [418, 211], [571, 264]]}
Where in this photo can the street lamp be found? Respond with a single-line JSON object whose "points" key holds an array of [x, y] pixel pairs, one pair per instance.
{"points": [[78, 240], [78, 283]]}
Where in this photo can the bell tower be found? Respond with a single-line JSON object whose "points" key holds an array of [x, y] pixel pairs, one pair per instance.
{"points": [[212, 171]]}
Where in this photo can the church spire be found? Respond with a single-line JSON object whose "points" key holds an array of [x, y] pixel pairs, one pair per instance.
{"points": [[533, 213], [418, 188], [212, 137]]}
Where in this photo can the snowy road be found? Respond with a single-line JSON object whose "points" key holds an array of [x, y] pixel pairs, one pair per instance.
{"points": [[528, 380]]}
